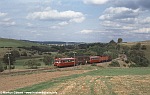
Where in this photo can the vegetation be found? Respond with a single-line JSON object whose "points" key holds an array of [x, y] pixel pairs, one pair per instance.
{"points": [[120, 40], [138, 54], [114, 63], [48, 60], [9, 60], [32, 64], [90, 80]]}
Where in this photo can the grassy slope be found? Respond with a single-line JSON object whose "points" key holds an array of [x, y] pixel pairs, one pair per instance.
{"points": [[147, 43], [14, 43]]}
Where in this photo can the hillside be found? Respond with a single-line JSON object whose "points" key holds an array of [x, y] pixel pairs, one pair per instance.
{"points": [[14, 43], [146, 43]]}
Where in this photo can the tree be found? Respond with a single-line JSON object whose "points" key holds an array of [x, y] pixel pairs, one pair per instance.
{"points": [[15, 53], [7, 58], [143, 47], [112, 42], [119, 40], [48, 60]]}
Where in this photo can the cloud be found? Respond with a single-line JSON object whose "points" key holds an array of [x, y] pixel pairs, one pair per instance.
{"points": [[59, 25], [50, 14], [134, 4], [63, 23], [142, 30], [4, 20], [145, 20], [89, 31], [95, 2], [119, 13], [2, 14], [86, 31]]}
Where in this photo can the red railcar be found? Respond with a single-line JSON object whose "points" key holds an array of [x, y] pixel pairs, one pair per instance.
{"points": [[64, 62]]}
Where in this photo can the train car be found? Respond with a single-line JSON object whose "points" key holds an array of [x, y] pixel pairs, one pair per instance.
{"points": [[82, 60], [94, 59], [99, 59], [64, 62]]}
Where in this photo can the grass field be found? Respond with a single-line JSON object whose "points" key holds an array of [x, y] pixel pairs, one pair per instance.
{"points": [[110, 81], [14, 43]]}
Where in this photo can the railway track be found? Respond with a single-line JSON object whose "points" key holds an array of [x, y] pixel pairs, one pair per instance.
{"points": [[30, 71], [27, 71]]}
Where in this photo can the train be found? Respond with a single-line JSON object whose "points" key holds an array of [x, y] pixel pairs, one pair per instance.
{"points": [[80, 60]]}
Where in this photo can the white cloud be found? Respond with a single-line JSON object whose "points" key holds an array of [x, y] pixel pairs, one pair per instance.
{"points": [[55, 27], [86, 31], [96, 2], [63, 23], [142, 30], [2, 14], [119, 13], [4, 20], [49, 14], [145, 20]]}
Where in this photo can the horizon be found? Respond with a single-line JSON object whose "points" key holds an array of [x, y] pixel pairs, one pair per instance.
{"points": [[75, 20], [73, 41]]}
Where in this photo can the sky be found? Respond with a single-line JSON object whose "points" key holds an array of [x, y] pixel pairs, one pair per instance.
{"points": [[75, 20]]}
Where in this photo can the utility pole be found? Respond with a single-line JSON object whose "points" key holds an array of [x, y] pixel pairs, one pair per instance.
{"points": [[74, 57], [9, 61]]}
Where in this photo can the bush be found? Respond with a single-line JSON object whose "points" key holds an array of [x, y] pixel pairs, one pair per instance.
{"points": [[127, 61], [23, 53], [114, 64], [133, 65]]}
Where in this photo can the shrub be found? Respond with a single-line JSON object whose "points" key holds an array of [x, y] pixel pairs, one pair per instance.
{"points": [[127, 61], [114, 64], [23, 53]]}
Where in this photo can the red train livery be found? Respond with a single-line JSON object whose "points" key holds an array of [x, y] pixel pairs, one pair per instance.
{"points": [[64, 62], [99, 59]]}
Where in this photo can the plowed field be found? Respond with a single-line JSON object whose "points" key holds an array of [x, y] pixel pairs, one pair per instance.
{"points": [[8, 83], [104, 85]]}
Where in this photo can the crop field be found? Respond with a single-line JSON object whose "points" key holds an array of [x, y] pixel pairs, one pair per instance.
{"points": [[99, 81]]}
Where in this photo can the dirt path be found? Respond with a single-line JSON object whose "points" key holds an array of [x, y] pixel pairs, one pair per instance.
{"points": [[8, 83]]}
